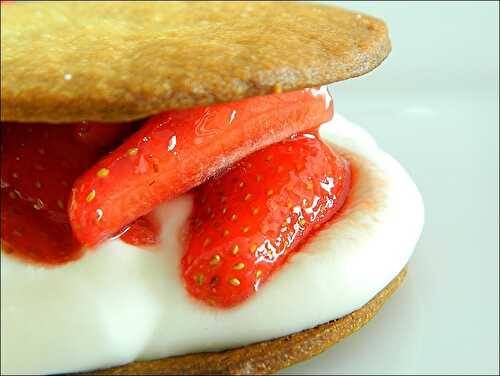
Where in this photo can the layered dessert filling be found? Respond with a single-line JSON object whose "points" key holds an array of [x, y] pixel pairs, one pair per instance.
{"points": [[249, 225], [269, 183]]}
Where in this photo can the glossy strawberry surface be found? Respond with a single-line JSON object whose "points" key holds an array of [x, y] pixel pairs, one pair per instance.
{"points": [[178, 150], [246, 223], [39, 164]]}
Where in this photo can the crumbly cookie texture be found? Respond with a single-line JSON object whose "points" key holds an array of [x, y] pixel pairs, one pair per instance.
{"points": [[264, 357], [119, 61]]}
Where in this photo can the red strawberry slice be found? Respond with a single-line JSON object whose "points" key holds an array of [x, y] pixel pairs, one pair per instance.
{"points": [[99, 135], [144, 231], [246, 223], [177, 150], [39, 164]]}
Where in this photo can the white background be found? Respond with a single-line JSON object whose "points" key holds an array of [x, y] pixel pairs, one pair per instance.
{"points": [[433, 104]]}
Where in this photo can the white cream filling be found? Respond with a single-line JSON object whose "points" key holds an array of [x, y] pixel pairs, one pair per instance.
{"points": [[119, 304]]}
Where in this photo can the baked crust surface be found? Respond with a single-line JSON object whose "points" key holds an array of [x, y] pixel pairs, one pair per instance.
{"points": [[264, 357], [119, 61]]}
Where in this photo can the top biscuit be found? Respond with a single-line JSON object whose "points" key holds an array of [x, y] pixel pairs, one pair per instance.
{"points": [[119, 61]]}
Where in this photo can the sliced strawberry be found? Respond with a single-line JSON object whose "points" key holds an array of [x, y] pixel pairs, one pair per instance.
{"points": [[38, 167], [246, 223], [144, 231], [177, 150], [99, 135]]}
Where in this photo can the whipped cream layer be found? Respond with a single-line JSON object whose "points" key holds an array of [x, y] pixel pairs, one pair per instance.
{"points": [[119, 303]]}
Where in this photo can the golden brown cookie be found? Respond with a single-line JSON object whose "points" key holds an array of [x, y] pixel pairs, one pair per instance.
{"points": [[118, 61], [265, 357]]}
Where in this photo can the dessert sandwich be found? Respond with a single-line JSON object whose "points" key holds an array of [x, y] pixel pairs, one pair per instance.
{"points": [[177, 194]]}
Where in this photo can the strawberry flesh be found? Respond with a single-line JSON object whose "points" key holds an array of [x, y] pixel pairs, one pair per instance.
{"points": [[144, 231], [246, 223], [39, 164], [178, 150]]}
